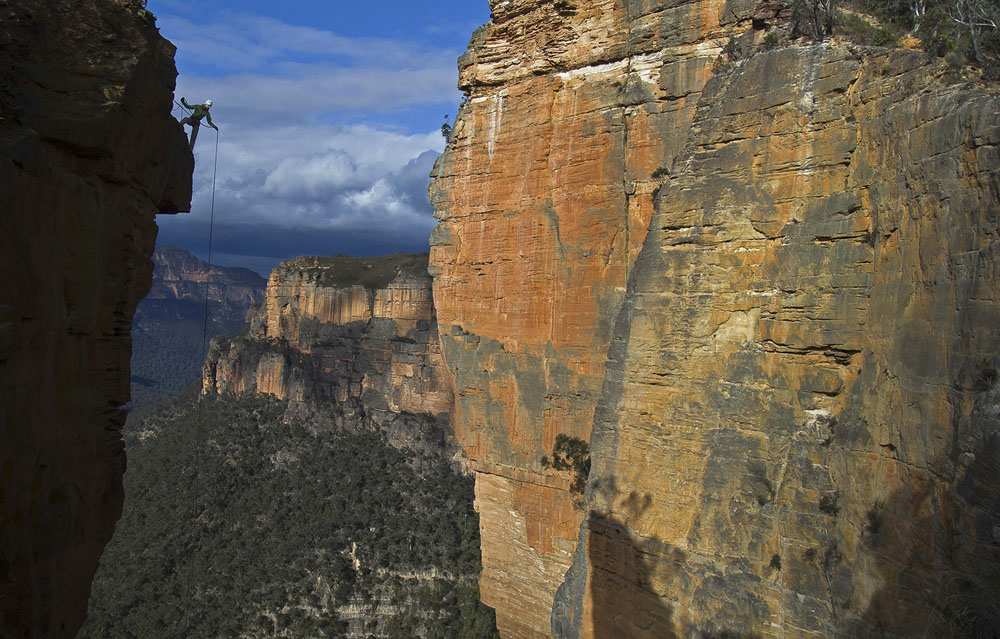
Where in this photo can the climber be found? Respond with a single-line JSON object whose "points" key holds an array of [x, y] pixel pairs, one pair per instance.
{"points": [[200, 111]]}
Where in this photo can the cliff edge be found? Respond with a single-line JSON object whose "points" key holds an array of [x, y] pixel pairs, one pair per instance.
{"points": [[758, 275], [88, 155], [355, 333]]}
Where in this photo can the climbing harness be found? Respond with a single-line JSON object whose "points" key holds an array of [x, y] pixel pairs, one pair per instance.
{"points": [[194, 115]]}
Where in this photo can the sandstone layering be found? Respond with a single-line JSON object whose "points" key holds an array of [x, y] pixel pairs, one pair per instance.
{"points": [[355, 333], [762, 283], [88, 154]]}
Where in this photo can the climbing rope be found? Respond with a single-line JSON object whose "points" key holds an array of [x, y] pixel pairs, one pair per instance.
{"points": [[211, 227], [180, 106]]}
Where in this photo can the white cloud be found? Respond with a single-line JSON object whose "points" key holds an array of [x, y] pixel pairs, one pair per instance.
{"points": [[281, 164], [323, 177], [313, 177], [242, 41]]}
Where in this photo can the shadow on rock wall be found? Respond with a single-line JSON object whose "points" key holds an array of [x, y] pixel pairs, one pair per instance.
{"points": [[934, 544], [936, 548], [627, 589], [622, 593]]}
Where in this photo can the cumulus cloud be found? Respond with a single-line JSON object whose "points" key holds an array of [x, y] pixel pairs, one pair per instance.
{"points": [[364, 190], [297, 172]]}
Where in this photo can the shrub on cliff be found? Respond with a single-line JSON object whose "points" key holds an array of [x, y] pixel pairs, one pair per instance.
{"points": [[570, 453], [861, 31], [968, 28]]}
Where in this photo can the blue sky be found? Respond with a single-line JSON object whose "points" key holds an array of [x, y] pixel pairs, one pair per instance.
{"points": [[329, 116]]}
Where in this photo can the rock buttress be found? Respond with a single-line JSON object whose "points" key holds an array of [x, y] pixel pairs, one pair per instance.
{"points": [[742, 444], [180, 276], [544, 197], [356, 333], [88, 155]]}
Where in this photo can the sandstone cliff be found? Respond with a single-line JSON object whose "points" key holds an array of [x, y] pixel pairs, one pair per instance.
{"points": [[357, 333], [762, 283], [88, 155]]}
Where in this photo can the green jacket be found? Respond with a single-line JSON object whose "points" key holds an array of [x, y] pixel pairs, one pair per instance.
{"points": [[199, 112]]}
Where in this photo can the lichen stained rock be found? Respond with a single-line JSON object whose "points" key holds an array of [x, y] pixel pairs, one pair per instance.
{"points": [[760, 282], [88, 155], [544, 197], [792, 415]]}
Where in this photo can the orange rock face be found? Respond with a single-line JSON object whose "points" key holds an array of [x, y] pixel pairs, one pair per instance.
{"points": [[544, 197], [805, 237], [356, 332], [790, 395]]}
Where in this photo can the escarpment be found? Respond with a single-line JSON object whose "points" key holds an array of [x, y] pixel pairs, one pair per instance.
{"points": [[356, 333], [179, 276], [762, 283], [88, 155]]}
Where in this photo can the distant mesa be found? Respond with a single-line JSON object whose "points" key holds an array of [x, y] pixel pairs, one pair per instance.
{"points": [[356, 332]]}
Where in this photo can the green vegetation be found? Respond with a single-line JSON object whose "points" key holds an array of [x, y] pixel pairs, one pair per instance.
{"points": [[570, 453], [166, 357], [238, 522], [856, 28], [770, 41], [167, 344], [968, 31], [370, 272]]}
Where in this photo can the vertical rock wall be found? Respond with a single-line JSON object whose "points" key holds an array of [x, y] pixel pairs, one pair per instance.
{"points": [[801, 392], [544, 197], [88, 155], [355, 333], [790, 382]]}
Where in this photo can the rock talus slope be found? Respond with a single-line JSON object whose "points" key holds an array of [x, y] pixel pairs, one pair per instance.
{"points": [[358, 333], [88, 154], [766, 281]]}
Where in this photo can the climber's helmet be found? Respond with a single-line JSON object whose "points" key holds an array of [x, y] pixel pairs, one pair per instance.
{"points": [[208, 103]]}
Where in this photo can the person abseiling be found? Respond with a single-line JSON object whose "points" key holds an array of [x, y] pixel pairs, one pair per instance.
{"points": [[194, 120]]}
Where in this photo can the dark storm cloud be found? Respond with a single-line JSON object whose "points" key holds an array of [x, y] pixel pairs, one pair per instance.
{"points": [[310, 217]]}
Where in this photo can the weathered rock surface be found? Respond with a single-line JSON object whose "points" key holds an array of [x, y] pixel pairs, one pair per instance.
{"points": [[793, 399], [88, 155], [358, 333]]}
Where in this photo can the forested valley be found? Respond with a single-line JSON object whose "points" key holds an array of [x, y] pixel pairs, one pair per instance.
{"points": [[239, 522]]}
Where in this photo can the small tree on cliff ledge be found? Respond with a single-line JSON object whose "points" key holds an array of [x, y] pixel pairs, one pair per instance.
{"points": [[813, 18], [570, 453]]}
